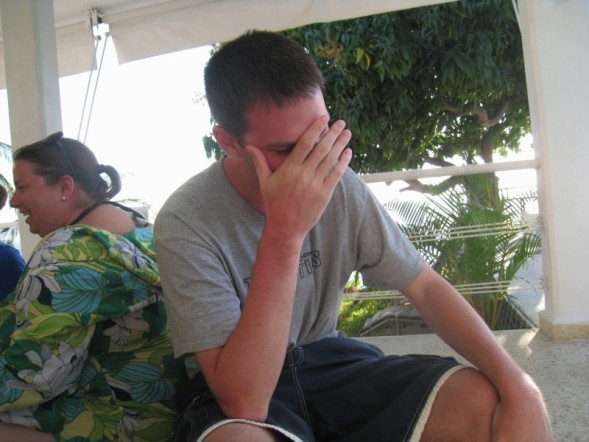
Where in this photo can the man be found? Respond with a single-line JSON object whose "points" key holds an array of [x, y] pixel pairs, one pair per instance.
{"points": [[254, 253]]}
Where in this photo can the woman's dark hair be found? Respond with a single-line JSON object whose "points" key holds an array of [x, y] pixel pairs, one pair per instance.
{"points": [[257, 66], [55, 156]]}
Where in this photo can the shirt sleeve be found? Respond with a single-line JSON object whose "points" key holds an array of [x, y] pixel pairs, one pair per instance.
{"points": [[199, 288]]}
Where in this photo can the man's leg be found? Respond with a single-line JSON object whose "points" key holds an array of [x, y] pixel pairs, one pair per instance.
{"points": [[242, 432], [463, 409]]}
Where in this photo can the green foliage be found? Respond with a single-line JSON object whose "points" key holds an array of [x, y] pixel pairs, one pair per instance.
{"points": [[441, 229], [425, 84], [353, 314], [212, 149]]}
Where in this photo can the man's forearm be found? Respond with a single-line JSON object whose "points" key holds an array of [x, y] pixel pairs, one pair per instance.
{"points": [[456, 322], [248, 366], [521, 414]]}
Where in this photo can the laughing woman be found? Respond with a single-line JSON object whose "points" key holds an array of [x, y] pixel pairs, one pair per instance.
{"points": [[85, 352]]}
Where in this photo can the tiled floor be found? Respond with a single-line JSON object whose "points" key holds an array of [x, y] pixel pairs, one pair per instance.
{"points": [[561, 370]]}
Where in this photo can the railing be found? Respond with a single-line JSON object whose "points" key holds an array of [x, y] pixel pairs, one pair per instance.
{"points": [[389, 177], [528, 224], [464, 289]]}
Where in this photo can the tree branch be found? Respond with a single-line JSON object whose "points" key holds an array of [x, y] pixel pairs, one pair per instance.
{"points": [[453, 110], [437, 162], [432, 189], [481, 113], [483, 116]]}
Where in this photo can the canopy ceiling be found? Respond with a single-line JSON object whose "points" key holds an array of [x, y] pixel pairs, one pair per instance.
{"points": [[146, 28]]}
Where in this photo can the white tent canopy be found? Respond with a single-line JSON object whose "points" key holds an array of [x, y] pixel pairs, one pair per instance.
{"points": [[142, 28], [555, 34]]}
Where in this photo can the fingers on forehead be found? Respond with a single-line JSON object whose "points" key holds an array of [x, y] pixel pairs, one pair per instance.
{"points": [[321, 127], [314, 133]]}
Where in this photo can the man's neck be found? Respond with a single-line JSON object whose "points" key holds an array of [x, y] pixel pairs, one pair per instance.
{"points": [[244, 184]]}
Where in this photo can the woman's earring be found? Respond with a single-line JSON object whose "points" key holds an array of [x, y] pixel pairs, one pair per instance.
{"points": [[63, 197]]}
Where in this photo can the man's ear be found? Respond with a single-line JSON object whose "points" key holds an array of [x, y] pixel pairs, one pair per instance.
{"points": [[225, 140]]}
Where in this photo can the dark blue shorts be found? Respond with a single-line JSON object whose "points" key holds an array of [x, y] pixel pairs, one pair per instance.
{"points": [[335, 389]]}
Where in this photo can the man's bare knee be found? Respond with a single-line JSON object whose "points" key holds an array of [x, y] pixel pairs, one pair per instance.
{"points": [[241, 432], [463, 408]]}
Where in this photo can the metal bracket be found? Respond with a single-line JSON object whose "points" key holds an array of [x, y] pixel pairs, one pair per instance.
{"points": [[94, 20]]}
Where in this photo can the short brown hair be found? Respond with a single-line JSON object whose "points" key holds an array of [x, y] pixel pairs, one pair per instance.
{"points": [[257, 66]]}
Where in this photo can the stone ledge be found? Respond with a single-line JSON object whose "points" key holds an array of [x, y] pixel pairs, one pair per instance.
{"points": [[564, 332]]}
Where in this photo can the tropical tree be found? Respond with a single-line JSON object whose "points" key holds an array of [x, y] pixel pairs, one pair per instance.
{"points": [[477, 246], [425, 85]]}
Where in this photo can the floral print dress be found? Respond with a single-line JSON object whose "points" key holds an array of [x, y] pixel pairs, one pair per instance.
{"points": [[85, 350]]}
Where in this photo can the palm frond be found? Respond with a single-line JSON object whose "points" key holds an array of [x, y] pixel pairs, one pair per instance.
{"points": [[472, 237]]}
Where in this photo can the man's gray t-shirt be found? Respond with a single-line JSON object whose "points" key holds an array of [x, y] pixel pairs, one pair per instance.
{"points": [[206, 239]]}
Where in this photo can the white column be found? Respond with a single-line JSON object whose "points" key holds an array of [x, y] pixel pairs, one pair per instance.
{"points": [[32, 81], [555, 36]]}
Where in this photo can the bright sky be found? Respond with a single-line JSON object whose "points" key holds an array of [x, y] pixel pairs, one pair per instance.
{"points": [[147, 120]]}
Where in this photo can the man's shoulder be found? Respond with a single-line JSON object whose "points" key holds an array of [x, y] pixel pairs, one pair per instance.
{"points": [[194, 204], [352, 184], [354, 197], [199, 186], [351, 176]]}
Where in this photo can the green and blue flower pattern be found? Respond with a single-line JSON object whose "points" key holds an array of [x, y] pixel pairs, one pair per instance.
{"points": [[85, 347]]}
